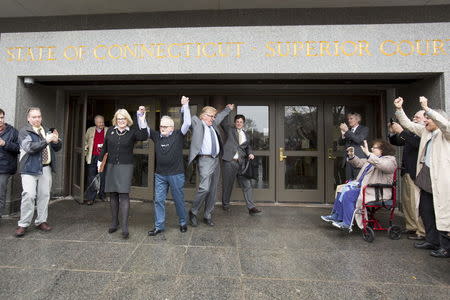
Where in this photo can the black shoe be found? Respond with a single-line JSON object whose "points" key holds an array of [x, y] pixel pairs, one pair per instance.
{"points": [[125, 235], [154, 232], [226, 208], [112, 229], [253, 211], [416, 237], [193, 219], [183, 228], [425, 245], [208, 222], [441, 252]]}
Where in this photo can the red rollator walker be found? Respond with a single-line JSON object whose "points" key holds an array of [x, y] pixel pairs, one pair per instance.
{"points": [[369, 220]]}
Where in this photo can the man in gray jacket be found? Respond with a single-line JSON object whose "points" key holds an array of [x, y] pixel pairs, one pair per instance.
{"points": [[206, 148]]}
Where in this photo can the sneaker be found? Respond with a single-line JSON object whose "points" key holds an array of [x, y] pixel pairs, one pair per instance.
{"points": [[329, 218], [341, 225]]}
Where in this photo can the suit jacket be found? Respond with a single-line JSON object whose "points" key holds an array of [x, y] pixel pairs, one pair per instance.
{"points": [[411, 143], [355, 139], [89, 142], [232, 144], [198, 132]]}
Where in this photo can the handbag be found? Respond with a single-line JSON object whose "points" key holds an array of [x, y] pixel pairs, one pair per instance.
{"points": [[423, 179], [249, 169]]}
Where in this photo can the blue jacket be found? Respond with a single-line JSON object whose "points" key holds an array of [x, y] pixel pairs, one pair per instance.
{"points": [[31, 146], [8, 152]]}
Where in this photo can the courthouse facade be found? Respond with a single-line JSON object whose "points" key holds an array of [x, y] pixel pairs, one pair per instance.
{"points": [[293, 71]]}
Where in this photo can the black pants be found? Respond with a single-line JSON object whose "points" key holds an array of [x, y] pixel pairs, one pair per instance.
{"points": [[351, 172], [91, 173], [426, 212]]}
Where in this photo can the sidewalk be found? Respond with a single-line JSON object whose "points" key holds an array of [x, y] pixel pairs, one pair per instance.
{"points": [[284, 253]]}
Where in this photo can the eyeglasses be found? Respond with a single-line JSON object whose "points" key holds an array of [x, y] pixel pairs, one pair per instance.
{"points": [[376, 148], [121, 119], [211, 116]]}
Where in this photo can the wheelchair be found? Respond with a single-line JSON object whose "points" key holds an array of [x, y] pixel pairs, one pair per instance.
{"points": [[369, 220]]}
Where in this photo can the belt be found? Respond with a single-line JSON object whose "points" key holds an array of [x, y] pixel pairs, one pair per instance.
{"points": [[45, 165], [205, 155]]}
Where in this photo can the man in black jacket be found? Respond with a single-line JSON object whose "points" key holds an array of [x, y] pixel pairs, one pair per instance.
{"points": [[410, 143], [353, 135], [9, 149]]}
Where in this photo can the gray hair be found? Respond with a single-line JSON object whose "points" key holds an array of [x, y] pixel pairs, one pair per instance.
{"points": [[167, 120]]}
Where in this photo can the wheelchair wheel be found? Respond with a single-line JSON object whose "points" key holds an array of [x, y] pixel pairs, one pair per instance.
{"points": [[394, 232], [368, 234]]}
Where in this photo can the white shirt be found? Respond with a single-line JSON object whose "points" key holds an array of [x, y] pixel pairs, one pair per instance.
{"points": [[241, 139], [206, 145]]}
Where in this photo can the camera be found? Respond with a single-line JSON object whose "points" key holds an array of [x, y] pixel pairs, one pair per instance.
{"points": [[391, 120], [50, 130], [28, 81]]}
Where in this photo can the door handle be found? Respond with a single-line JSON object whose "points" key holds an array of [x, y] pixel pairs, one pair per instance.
{"points": [[330, 154], [282, 156]]}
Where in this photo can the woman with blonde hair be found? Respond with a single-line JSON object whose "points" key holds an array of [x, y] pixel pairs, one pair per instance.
{"points": [[118, 148]]}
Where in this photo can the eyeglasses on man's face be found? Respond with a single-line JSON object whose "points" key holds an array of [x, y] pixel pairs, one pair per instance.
{"points": [[121, 119], [211, 116]]}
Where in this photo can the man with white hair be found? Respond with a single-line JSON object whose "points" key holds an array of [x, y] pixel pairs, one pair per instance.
{"points": [[433, 170], [170, 167]]}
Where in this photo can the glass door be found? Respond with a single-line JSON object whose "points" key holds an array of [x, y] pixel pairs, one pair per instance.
{"points": [[336, 109], [299, 154], [77, 108], [259, 112]]}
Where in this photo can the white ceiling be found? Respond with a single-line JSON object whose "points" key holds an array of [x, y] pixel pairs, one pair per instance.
{"points": [[35, 8]]}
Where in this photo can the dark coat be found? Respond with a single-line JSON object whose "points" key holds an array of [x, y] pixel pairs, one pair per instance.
{"points": [[232, 146], [9, 152], [355, 140], [410, 143], [31, 146], [120, 147]]}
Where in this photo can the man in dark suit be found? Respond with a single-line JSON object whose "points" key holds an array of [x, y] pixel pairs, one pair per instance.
{"points": [[410, 143], [236, 151], [206, 146], [353, 135]]}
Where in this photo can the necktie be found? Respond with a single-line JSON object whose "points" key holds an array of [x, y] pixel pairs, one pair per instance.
{"points": [[213, 142], [45, 153], [241, 138]]}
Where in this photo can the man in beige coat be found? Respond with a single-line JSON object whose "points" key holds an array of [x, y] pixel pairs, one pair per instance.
{"points": [[93, 143], [434, 150]]}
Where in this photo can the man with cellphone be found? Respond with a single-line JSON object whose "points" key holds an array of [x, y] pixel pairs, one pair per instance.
{"points": [[410, 142], [9, 148], [353, 135], [36, 162]]}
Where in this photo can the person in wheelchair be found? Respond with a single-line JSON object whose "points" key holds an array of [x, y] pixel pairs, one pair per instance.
{"points": [[378, 167]]}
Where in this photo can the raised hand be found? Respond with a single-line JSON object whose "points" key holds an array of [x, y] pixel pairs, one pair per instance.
{"points": [[184, 100], [350, 152], [424, 103], [230, 106], [365, 148], [396, 128], [56, 136], [398, 102], [251, 156]]}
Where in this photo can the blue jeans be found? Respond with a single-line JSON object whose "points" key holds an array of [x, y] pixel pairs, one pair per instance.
{"points": [[162, 183], [344, 205]]}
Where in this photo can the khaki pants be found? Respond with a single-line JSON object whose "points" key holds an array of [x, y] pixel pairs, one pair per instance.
{"points": [[412, 221], [35, 187]]}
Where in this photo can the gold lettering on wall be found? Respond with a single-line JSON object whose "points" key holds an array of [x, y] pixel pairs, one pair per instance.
{"points": [[310, 49]]}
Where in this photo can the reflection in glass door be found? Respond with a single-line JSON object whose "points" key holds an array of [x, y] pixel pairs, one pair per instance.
{"points": [[299, 150]]}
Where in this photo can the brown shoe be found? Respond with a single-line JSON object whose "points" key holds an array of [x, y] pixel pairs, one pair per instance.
{"points": [[416, 237], [20, 231], [253, 211], [44, 227]]}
